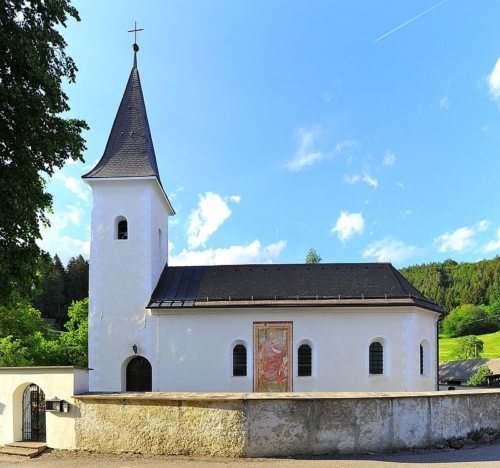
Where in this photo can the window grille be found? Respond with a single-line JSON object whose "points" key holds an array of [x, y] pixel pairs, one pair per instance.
{"points": [[376, 358], [304, 361], [239, 361]]}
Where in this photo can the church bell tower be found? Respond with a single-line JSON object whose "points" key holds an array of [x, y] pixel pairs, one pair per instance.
{"points": [[129, 239]]}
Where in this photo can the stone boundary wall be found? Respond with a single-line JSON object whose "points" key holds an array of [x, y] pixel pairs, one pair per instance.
{"points": [[264, 425]]}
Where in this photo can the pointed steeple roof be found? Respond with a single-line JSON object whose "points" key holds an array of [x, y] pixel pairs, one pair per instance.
{"points": [[129, 151]]}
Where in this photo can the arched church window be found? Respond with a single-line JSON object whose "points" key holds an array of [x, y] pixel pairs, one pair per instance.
{"points": [[239, 361], [304, 361], [376, 355], [421, 360], [121, 228], [425, 364], [139, 375]]}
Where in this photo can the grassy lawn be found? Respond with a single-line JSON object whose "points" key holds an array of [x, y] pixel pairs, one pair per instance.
{"points": [[491, 347]]}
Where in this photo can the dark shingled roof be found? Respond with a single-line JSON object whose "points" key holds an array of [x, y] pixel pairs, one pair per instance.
{"points": [[274, 284], [129, 151], [461, 371]]}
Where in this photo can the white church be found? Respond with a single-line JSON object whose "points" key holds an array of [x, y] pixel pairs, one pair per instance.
{"points": [[234, 328]]}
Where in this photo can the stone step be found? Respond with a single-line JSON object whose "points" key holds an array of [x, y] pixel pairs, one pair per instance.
{"points": [[23, 449]]}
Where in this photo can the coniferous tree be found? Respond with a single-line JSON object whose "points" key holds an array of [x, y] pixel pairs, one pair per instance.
{"points": [[77, 279]]}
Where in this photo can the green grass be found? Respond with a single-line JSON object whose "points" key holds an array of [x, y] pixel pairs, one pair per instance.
{"points": [[491, 347]]}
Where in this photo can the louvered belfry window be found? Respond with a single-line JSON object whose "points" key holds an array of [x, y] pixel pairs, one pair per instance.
{"points": [[304, 361], [239, 361], [376, 358]]}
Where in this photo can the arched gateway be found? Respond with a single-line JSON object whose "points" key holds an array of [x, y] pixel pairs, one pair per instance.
{"points": [[139, 375], [34, 414]]}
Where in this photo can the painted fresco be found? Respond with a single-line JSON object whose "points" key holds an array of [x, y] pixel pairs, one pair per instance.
{"points": [[273, 356]]}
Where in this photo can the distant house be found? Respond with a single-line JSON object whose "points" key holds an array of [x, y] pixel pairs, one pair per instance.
{"points": [[459, 372]]}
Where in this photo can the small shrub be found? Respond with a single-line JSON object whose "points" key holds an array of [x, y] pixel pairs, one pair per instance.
{"points": [[479, 378]]}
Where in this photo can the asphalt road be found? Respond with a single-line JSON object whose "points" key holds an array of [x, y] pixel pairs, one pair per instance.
{"points": [[481, 456]]}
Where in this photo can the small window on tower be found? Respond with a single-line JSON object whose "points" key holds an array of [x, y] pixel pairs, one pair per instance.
{"points": [[121, 228]]}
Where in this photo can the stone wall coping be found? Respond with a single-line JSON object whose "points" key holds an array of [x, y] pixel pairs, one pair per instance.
{"points": [[44, 368], [205, 396]]}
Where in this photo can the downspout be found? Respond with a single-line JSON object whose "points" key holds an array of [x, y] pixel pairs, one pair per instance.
{"points": [[437, 352]]}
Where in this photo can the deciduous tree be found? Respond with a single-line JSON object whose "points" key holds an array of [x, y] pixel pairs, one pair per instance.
{"points": [[469, 347], [313, 256], [35, 137]]}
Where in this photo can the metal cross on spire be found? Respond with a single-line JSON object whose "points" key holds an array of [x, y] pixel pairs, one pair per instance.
{"points": [[135, 46]]}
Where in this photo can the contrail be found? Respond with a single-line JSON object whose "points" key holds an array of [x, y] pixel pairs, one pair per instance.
{"points": [[411, 20]]}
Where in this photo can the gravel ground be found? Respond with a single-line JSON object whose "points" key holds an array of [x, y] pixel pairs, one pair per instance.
{"points": [[481, 456]]}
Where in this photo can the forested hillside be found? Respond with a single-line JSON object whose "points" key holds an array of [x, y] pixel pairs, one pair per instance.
{"points": [[56, 287], [451, 284]]}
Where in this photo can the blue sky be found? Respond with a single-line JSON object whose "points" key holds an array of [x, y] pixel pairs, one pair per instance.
{"points": [[367, 130]]}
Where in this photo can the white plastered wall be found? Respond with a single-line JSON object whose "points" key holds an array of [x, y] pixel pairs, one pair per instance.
{"points": [[123, 274], [195, 348], [55, 382]]}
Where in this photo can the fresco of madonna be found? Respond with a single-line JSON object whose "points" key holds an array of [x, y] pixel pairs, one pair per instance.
{"points": [[273, 356]]}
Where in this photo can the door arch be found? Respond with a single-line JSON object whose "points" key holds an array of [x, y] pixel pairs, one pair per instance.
{"points": [[139, 375], [34, 426]]}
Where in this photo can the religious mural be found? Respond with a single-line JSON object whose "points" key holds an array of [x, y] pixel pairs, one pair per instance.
{"points": [[273, 356]]}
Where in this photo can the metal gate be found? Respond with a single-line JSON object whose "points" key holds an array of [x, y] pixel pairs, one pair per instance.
{"points": [[34, 414]]}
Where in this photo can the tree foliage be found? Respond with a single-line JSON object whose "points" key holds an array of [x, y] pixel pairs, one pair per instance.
{"points": [[35, 137], [75, 341], [313, 256], [480, 377], [468, 347], [57, 287], [26, 340], [451, 284], [469, 319]]}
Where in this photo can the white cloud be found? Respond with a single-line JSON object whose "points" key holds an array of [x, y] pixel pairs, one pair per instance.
{"points": [[371, 181], [461, 239], [327, 97], [400, 185], [348, 224], [351, 179], [391, 250], [366, 178], [75, 213], [494, 244], [406, 213], [305, 155], [74, 185], [55, 241], [212, 211], [389, 159], [341, 145], [444, 102], [486, 129], [235, 254], [494, 82]]}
